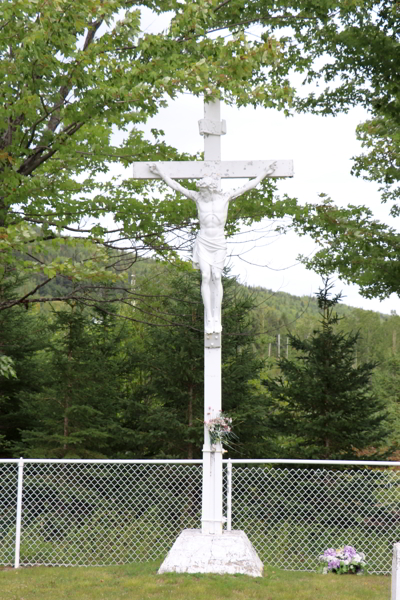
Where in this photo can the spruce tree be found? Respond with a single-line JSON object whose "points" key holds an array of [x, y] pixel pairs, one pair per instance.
{"points": [[166, 409], [74, 414], [23, 339], [322, 402]]}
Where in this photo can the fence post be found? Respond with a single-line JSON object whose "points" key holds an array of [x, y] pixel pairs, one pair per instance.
{"points": [[396, 572], [19, 512], [229, 497]]}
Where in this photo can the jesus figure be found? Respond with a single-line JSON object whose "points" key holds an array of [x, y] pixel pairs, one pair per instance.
{"points": [[210, 248]]}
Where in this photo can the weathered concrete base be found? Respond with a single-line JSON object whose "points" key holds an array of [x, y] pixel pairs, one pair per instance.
{"points": [[194, 552], [396, 572]]}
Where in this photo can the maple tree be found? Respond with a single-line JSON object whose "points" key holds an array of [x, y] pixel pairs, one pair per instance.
{"points": [[74, 74]]}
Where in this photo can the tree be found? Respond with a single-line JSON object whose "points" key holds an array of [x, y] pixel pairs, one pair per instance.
{"points": [[22, 342], [361, 249], [322, 400], [164, 413], [380, 44], [380, 162], [74, 413], [72, 76], [386, 385], [362, 41], [76, 75], [363, 44], [353, 243]]}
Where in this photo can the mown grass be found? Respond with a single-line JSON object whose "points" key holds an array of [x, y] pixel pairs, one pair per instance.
{"points": [[141, 582]]}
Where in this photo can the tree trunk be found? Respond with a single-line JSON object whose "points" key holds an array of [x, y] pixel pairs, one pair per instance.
{"points": [[65, 446], [68, 393], [327, 448]]}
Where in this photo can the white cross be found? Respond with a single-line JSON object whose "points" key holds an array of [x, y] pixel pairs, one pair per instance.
{"points": [[211, 127]]}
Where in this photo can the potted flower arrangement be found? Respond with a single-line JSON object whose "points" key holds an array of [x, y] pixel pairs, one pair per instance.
{"points": [[343, 560], [220, 430]]}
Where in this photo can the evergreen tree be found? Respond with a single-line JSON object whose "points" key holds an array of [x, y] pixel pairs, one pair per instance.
{"points": [[322, 401], [23, 338], [75, 411], [166, 409], [386, 385]]}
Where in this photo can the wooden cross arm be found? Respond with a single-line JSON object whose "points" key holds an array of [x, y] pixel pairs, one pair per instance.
{"points": [[225, 169]]}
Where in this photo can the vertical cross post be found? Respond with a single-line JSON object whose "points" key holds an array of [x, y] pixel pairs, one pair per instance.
{"points": [[212, 120], [212, 521]]}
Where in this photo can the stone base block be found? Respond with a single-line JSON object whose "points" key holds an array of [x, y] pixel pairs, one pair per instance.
{"points": [[194, 552]]}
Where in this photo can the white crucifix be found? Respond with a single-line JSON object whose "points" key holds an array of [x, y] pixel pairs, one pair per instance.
{"points": [[209, 255]]}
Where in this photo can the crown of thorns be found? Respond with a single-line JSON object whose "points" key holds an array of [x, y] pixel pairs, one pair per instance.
{"points": [[209, 181]]}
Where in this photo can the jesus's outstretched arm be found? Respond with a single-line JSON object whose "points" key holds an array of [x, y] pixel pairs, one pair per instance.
{"points": [[192, 195], [252, 183]]}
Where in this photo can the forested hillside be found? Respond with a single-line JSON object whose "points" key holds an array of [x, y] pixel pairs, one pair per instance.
{"points": [[125, 379]]}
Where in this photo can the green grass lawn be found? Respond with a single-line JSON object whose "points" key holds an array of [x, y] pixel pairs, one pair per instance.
{"points": [[141, 582]]}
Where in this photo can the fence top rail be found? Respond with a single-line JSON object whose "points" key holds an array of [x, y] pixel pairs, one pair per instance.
{"points": [[104, 461], [199, 461], [300, 461]]}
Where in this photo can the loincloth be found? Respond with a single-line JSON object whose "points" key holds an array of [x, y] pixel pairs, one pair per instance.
{"points": [[212, 250]]}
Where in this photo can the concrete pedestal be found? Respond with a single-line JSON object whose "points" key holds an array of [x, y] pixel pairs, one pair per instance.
{"points": [[230, 552]]}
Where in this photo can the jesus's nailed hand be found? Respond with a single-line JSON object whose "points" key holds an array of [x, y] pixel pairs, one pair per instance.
{"points": [[154, 168]]}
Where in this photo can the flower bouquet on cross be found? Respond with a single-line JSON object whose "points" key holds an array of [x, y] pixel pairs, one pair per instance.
{"points": [[343, 560], [219, 429]]}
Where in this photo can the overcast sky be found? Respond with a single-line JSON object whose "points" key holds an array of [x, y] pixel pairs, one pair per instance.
{"points": [[321, 148]]}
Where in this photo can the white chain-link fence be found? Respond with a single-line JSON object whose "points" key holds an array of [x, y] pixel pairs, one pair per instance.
{"points": [[96, 512], [76, 512], [292, 514]]}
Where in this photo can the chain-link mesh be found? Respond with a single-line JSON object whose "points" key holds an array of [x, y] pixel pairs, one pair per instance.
{"points": [[8, 510], [293, 515], [114, 513], [101, 514]]}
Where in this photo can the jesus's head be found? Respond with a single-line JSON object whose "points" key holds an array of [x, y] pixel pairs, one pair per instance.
{"points": [[210, 183]]}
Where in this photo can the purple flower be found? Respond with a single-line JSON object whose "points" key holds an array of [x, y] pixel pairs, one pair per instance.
{"points": [[334, 563], [330, 552], [349, 551]]}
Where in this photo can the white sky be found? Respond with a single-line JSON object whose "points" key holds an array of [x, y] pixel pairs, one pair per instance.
{"points": [[321, 148]]}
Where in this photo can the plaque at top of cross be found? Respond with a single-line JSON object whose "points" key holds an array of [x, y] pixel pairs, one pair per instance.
{"points": [[210, 248]]}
